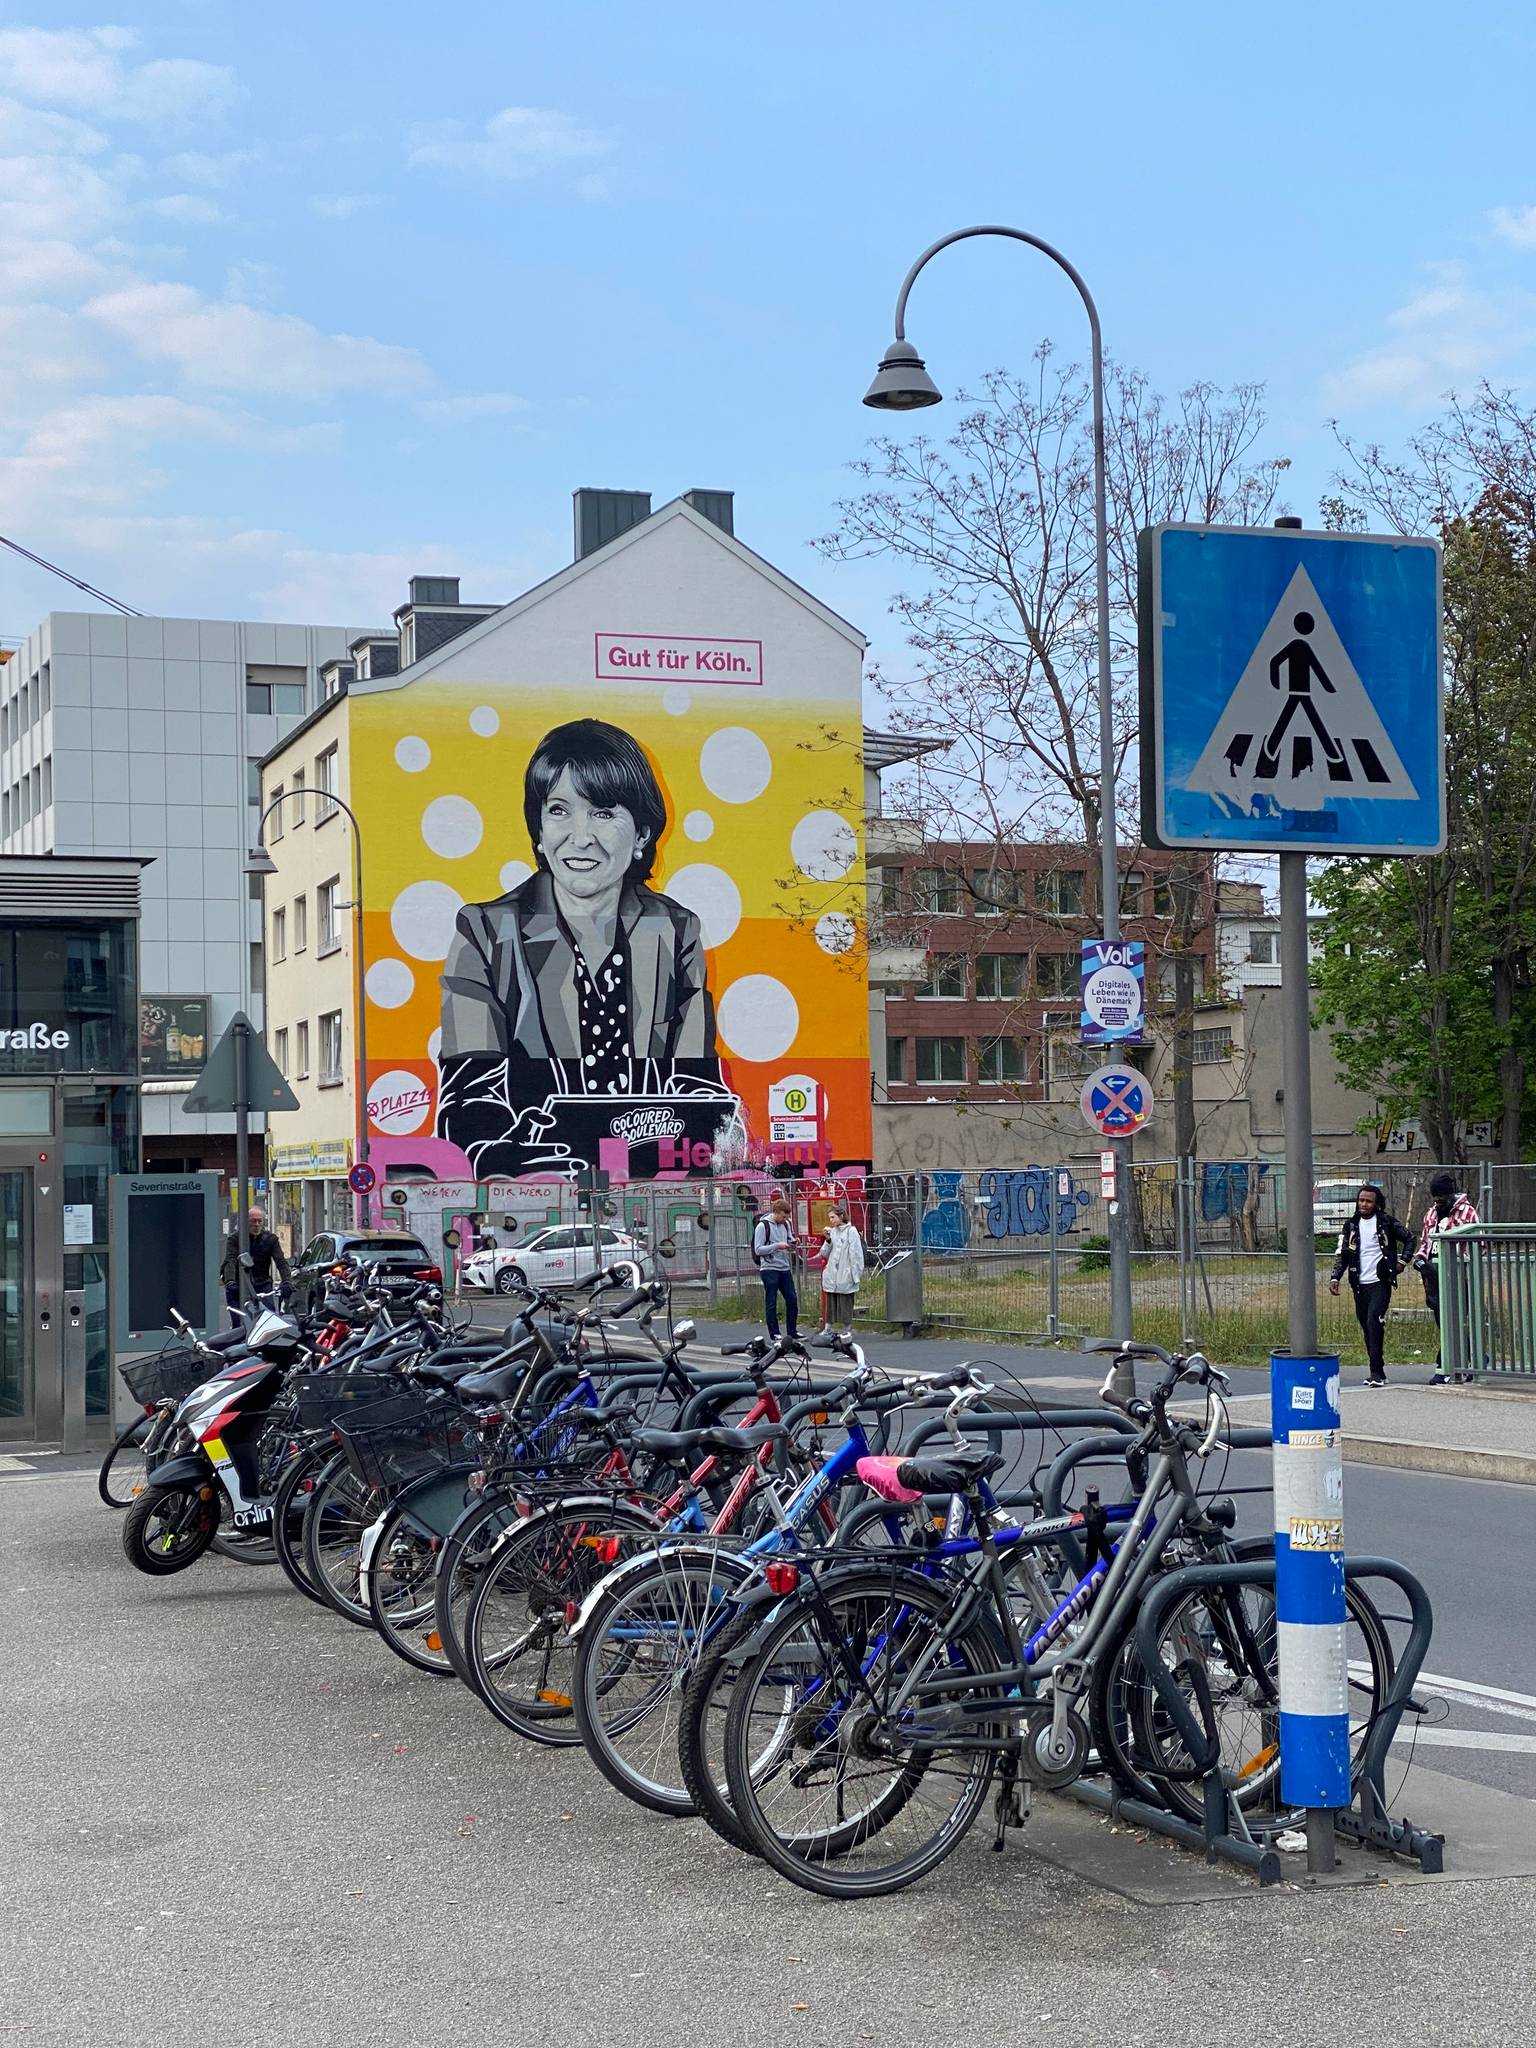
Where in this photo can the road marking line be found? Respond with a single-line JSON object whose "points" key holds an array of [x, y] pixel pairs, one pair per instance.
{"points": [[1467, 1738], [1487, 1699]]}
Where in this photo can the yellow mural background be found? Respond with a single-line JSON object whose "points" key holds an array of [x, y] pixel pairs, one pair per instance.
{"points": [[814, 766]]}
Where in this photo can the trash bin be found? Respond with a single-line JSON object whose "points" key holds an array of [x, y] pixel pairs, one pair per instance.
{"points": [[904, 1292]]}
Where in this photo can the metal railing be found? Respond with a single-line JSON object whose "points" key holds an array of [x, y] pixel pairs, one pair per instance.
{"points": [[1488, 1299]]}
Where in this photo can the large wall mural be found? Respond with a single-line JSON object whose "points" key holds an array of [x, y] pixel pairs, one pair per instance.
{"points": [[615, 924]]}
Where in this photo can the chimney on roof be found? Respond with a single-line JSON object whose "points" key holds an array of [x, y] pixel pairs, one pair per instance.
{"points": [[717, 506], [601, 516], [434, 590]]}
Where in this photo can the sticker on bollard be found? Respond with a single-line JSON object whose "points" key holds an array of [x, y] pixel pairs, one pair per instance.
{"points": [[1309, 1581]]}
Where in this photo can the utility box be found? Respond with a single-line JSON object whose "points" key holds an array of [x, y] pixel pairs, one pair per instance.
{"points": [[904, 1292], [166, 1246]]}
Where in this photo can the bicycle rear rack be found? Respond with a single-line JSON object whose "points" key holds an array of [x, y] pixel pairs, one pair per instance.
{"points": [[1365, 1821]]}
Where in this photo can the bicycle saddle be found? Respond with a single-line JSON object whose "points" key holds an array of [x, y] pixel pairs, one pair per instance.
{"points": [[439, 1374], [725, 1443], [954, 1469], [492, 1386]]}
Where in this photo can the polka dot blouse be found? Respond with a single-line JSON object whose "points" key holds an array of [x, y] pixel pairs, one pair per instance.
{"points": [[603, 1011]]}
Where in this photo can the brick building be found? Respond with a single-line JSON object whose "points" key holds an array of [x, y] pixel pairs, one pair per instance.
{"points": [[994, 935]]}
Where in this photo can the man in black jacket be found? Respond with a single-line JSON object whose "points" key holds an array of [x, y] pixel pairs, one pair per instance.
{"points": [[1372, 1247], [266, 1253]]}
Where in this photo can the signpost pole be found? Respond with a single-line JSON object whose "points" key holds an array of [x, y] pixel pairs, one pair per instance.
{"points": [[242, 1159]]}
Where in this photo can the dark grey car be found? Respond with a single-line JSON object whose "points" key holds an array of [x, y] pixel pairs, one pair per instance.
{"points": [[394, 1262]]}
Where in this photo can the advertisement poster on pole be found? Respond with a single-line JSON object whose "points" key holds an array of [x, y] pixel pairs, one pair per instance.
{"points": [[1113, 982]]}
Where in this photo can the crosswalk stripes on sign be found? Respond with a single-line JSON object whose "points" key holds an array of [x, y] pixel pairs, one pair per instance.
{"points": [[1299, 726]]}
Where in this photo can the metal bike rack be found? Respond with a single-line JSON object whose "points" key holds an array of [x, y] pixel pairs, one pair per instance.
{"points": [[1366, 1822]]}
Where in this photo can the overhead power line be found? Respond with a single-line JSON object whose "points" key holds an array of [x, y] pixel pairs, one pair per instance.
{"points": [[54, 570]]}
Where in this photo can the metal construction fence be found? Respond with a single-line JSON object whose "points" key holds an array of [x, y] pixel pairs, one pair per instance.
{"points": [[1022, 1252]]}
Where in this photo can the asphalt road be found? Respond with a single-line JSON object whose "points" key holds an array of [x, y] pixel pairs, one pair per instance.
{"points": [[229, 1816]]}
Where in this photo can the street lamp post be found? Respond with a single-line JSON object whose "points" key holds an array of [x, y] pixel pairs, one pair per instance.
{"points": [[260, 862], [901, 384]]}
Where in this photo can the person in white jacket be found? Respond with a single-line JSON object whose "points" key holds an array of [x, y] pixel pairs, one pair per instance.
{"points": [[843, 1250]]}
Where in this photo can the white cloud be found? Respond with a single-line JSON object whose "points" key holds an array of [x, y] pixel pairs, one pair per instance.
{"points": [[472, 405], [341, 205], [196, 167], [89, 70], [1516, 224], [57, 198], [238, 348], [251, 282], [28, 131], [188, 207], [519, 142], [1448, 335]]}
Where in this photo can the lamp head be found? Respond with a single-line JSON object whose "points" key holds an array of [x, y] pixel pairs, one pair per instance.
{"points": [[259, 862], [901, 383]]}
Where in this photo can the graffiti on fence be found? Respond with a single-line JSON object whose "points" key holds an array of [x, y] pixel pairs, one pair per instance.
{"points": [[947, 1225], [1019, 1204]]}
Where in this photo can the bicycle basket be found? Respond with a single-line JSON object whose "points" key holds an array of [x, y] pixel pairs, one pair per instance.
{"points": [[393, 1442], [322, 1399], [169, 1377]]}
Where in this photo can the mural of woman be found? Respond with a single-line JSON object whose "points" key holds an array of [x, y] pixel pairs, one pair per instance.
{"points": [[582, 989]]}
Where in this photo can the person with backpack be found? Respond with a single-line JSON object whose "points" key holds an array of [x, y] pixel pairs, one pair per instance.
{"points": [[773, 1252], [1372, 1245], [843, 1250], [1449, 1209]]}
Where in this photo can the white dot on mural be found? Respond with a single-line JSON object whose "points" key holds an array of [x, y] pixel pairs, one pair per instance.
{"points": [[676, 699], [699, 825], [412, 755], [735, 765], [836, 932], [711, 895], [451, 826], [435, 1045], [422, 918], [399, 1103], [514, 872], [758, 1018], [390, 983], [824, 846], [484, 721]]}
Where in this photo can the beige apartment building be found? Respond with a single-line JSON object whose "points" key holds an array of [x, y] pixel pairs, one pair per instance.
{"points": [[311, 964]]}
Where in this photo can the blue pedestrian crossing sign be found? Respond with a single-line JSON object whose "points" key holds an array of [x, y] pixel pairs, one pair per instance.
{"points": [[1116, 1101], [1290, 691]]}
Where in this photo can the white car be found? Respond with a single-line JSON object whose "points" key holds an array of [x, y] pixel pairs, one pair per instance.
{"points": [[552, 1258]]}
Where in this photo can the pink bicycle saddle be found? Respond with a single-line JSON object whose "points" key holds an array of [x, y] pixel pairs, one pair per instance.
{"points": [[879, 1474]]}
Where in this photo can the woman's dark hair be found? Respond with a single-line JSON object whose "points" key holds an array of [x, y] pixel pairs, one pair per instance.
{"points": [[607, 767]]}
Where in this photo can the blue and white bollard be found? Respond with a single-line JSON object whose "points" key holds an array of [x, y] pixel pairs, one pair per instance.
{"points": [[1309, 1593]]}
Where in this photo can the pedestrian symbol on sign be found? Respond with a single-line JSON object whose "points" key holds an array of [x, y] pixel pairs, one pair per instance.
{"points": [[1299, 725]]}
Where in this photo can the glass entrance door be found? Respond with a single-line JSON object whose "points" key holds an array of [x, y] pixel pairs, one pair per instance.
{"points": [[17, 1397]]}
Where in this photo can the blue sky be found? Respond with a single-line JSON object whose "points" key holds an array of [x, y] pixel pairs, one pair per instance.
{"points": [[295, 300]]}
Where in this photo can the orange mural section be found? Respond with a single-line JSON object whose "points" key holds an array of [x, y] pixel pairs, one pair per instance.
{"points": [[617, 927]]}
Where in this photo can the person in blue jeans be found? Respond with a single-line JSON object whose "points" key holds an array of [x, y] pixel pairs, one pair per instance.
{"points": [[773, 1247]]}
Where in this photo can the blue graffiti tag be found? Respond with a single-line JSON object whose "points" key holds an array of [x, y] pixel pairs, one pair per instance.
{"points": [[1019, 1204], [947, 1226]]}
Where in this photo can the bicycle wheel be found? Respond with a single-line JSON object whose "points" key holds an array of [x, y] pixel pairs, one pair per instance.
{"points": [[1224, 1642], [291, 1497], [701, 1727], [338, 1513], [517, 1636], [124, 1470], [403, 1555], [846, 1788], [467, 1549], [646, 1629]]}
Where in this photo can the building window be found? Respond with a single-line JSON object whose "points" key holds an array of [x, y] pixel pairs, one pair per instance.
{"points": [[1130, 895], [288, 699], [330, 1049], [279, 935], [326, 785], [940, 1059], [935, 893], [45, 684], [301, 1048], [258, 697], [1071, 1062], [325, 912], [300, 923], [997, 891], [297, 798], [280, 1051], [1162, 897], [274, 824], [1212, 1048], [1057, 974], [253, 782], [258, 968], [896, 1059], [892, 894], [946, 978], [1264, 948], [1059, 892], [47, 781], [1002, 975], [1002, 1059]]}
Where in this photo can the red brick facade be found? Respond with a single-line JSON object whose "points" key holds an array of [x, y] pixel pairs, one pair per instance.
{"points": [[999, 1019]]}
